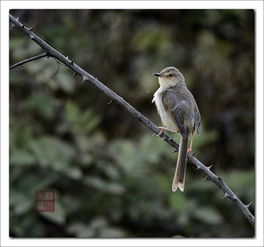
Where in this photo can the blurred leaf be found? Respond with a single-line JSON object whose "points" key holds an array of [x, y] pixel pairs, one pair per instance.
{"points": [[83, 122], [65, 81], [52, 152], [206, 137], [163, 181], [101, 185], [20, 202], [19, 136], [132, 155], [81, 230], [21, 157], [39, 103], [151, 37], [97, 228], [112, 232], [178, 202], [208, 215]]}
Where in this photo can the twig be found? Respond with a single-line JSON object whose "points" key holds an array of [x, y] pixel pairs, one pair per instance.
{"points": [[29, 60], [196, 164]]}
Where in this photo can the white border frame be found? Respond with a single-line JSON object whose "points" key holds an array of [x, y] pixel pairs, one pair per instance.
{"points": [[6, 5]]}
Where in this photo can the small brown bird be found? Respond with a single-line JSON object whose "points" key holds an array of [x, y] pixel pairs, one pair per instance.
{"points": [[179, 113]]}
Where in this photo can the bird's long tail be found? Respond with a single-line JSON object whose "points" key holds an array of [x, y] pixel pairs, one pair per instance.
{"points": [[179, 175]]}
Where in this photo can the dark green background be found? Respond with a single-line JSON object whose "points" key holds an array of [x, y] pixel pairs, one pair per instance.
{"points": [[112, 177]]}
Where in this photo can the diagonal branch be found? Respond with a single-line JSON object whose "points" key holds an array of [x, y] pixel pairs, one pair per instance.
{"points": [[29, 60], [195, 163]]}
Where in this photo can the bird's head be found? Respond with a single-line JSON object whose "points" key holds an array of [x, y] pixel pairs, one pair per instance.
{"points": [[169, 77]]}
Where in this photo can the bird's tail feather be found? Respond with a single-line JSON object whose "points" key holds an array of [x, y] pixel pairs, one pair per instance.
{"points": [[179, 175]]}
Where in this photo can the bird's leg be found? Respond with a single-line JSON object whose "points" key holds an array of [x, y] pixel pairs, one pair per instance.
{"points": [[189, 150], [164, 128]]}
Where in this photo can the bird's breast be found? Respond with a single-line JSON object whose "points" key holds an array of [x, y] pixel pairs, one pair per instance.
{"points": [[165, 117]]}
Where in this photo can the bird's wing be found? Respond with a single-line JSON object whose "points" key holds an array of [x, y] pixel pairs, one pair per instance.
{"points": [[197, 119], [177, 109]]}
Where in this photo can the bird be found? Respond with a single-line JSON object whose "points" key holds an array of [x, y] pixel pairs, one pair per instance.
{"points": [[179, 113]]}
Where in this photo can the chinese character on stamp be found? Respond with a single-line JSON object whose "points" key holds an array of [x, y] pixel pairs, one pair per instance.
{"points": [[45, 200]]}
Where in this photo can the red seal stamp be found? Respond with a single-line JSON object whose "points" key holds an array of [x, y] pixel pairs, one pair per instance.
{"points": [[45, 200]]}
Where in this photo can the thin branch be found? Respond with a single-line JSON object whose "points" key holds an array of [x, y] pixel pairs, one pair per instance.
{"points": [[29, 60], [196, 164]]}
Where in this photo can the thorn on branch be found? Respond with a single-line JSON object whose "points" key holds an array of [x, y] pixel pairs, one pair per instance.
{"points": [[248, 204], [12, 26], [75, 74], [209, 167], [30, 28], [226, 195], [84, 79]]}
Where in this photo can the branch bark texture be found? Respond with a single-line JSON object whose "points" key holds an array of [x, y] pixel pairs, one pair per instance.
{"points": [[195, 163]]}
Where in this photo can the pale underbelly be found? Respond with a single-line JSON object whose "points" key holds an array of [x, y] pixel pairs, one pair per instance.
{"points": [[165, 117], [167, 121]]}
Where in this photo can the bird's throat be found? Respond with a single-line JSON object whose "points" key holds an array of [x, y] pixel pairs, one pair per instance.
{"points": [[167, 83]]}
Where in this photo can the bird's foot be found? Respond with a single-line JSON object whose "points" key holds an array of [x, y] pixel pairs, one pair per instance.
{"points": [[164, 128], [161, 132]]}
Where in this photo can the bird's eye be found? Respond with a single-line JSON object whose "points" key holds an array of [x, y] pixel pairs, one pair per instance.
{"points": [[169, 75]]}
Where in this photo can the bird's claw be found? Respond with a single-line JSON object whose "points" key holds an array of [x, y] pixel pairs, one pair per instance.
{"points": [[191, 153], [161, 132]]}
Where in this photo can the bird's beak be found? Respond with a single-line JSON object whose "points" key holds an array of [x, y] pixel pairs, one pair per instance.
{"points": [[157, 74]]}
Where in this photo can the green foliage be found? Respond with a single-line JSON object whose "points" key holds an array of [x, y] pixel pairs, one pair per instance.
{"points": [[81, 122], [40, 104], [111, 176]]}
